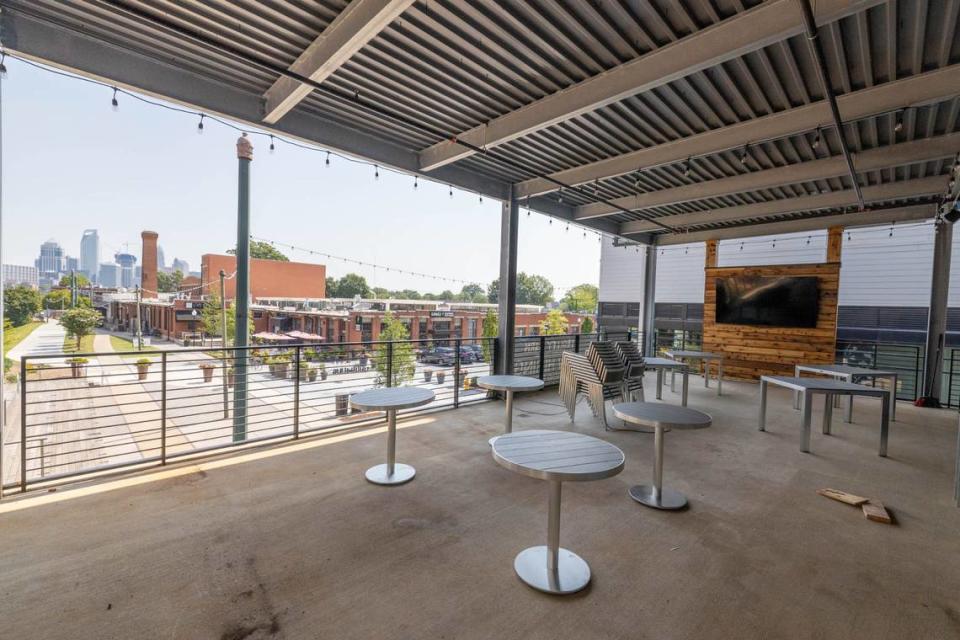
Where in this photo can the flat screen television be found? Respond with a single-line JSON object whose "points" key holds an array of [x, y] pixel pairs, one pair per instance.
{"points": [[779, 301]]}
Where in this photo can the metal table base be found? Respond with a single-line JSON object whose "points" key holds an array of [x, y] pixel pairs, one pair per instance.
{"points": [[655, 495], [508, 419], [392, 473], [550, 568]]}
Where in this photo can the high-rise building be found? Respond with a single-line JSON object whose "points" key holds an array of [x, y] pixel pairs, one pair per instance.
{"points": [[109, 275], [182, 265], [127, 262], [90, 254], [161, 260], [50, 264], [14, 274], [70, 264]]}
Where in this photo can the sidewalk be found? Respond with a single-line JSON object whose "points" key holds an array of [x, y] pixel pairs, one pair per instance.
{"points": [[45, 340]]}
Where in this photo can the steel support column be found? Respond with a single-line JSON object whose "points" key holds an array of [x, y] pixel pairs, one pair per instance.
{"points": [[242, 295], [649, 294], [937, 320], [507, 296]]}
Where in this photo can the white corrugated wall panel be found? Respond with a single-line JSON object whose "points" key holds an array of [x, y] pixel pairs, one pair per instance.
{"points": [[621, 272], [880, 270], [680, 273], [791, 248]]}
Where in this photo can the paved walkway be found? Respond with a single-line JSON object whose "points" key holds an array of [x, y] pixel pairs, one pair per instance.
{"points": [[47, 339]]}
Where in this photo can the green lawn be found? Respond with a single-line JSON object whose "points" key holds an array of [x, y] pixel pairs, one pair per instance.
{"points": [[13, 337], [70, 344], [120, 343]]}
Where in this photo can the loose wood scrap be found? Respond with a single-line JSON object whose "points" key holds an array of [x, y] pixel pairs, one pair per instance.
{"points": [[872, 509], [875, 511], [843, 496]]}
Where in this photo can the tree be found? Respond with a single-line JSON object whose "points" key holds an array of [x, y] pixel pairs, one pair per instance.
{"points": [[169, 282], [263, 251], [446, 295], [62, 299], [407, 294], [351, 285], [82, 280], [211, 318], [472, 293], [381, 293], [79, 322], [554, 324], [587, 325], [20, 303], [491, 327], [403, 363], [581, 299], [531, 289]]}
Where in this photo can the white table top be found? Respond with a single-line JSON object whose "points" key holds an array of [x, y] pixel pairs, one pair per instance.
{"points": [[666, 363], [509, 383], [659, 415], [845, 369], [706, 355], [390, 398], [824, 385], [558, 455]]}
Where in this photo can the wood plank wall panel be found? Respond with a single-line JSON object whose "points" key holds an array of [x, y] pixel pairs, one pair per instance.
{"points": [[751, 351]]}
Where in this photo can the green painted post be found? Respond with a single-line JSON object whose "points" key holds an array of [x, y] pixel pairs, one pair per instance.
{"points": [[242, 295]]}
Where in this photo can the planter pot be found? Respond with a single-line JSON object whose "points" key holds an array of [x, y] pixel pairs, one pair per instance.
{"points": [[77, 370], [323, 374], [230, 377], [441, 376], [142, 370], [207, 374], [428, 375], [363, 361], [312, 375], [281, 371]]}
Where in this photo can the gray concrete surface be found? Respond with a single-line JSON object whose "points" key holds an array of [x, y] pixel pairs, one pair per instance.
{"points": [[291, 542]]}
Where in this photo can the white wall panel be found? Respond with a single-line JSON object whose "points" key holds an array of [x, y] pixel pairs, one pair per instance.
{"points": [[789, 248], [881, 270], [621, 272], [680, 273]]}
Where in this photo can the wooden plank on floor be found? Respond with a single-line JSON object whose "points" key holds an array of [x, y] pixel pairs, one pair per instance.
{"points": [[843, 496], [875, 511]]}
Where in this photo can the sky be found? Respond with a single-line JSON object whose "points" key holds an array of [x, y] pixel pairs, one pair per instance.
{"points": [[72, 163]]}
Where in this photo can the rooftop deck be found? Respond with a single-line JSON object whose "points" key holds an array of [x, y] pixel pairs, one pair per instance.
{"points": [[290, 541]]}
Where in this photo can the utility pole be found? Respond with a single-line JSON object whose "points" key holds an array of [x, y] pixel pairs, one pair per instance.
{"points": [[139, 332], [223, 341], [73, 288], [242, 295]]}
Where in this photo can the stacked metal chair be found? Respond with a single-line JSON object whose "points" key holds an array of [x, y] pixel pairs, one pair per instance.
{"points": [[633, 363], [599, 376]]}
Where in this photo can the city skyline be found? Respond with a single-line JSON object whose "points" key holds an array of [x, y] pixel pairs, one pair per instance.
{"points": [[145, 167]]}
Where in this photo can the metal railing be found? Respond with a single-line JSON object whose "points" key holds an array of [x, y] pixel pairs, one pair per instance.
{"points": [[88, 413], [906, 359], [539, 356]]}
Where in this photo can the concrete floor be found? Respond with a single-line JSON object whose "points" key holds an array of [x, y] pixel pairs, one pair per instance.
{"points": [[291, 542]]}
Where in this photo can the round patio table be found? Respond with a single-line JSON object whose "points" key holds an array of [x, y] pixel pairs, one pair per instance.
{"points": [[391, 400], [509, 385], [558, 457], [661, 417]]}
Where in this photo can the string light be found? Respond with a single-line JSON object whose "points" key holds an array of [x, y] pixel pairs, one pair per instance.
{"points": [[816, 139], [899, 126], [113, 103], [376, 172], [3, 67], [450, 188], [273, 147], [200, 125], [415, 182], [560, 195], [743, 155], [686, 168], [481, 198], [327, 161]]}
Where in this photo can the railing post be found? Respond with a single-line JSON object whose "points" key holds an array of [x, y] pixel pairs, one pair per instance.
{"points": [[543, 349], [495, 354], [389, 367], [163, 408], [576, 343], [296, 392], [456, 373], [23, 424]]}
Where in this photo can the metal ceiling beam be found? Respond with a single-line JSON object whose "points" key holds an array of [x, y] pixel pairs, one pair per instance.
{"points": [[358, 23], [857, 219], [748, 31], [896, 155], [925, 88], [879, 193]]}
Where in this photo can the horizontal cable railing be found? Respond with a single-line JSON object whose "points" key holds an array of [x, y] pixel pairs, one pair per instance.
{"points": [[906, 360], [86, 413]]}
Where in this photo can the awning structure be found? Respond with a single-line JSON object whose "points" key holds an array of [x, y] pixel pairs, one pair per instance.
{"points": [[659, 122], [268, 336], [302, 336]]}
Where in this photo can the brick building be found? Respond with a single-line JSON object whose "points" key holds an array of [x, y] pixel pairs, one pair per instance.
{"points": [[268, 278]]}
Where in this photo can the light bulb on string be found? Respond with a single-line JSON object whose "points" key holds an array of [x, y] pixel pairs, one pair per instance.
{"points": [[200, 125], [3, 67], [415, 182], [481, 198], [744, 156], [686, 168], [816, 139], [113, 103], [560, 195], [898, 127], [376, 172], [450, 188], [273, 147], [327, 161]]}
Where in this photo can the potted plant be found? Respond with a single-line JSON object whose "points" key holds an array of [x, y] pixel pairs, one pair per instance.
{"points": [[427, 375], [230, 377], [143, 365], [323, 371], [281, 365], [364, 358], [305, 371], [207, 368], [311, 373], [77, 366], [441, 376]]}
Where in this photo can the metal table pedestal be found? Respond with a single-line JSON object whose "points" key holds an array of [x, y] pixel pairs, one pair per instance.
{"points": [[392, 472]]}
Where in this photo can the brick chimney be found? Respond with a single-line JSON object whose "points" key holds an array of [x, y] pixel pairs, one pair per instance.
{"points": [[148, 265]]}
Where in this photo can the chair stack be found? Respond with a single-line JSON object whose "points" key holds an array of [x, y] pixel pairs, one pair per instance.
{"points": [[599, 376], [633, 363]]}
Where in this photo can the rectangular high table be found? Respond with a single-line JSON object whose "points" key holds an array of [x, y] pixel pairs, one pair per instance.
{"points": [[661, 364], [807, 387], [706, 357], [851, 374]]}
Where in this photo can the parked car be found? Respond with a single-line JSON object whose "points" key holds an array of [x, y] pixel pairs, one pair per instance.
{"points": [[467, 356], [477, 351], [439, 355]]}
